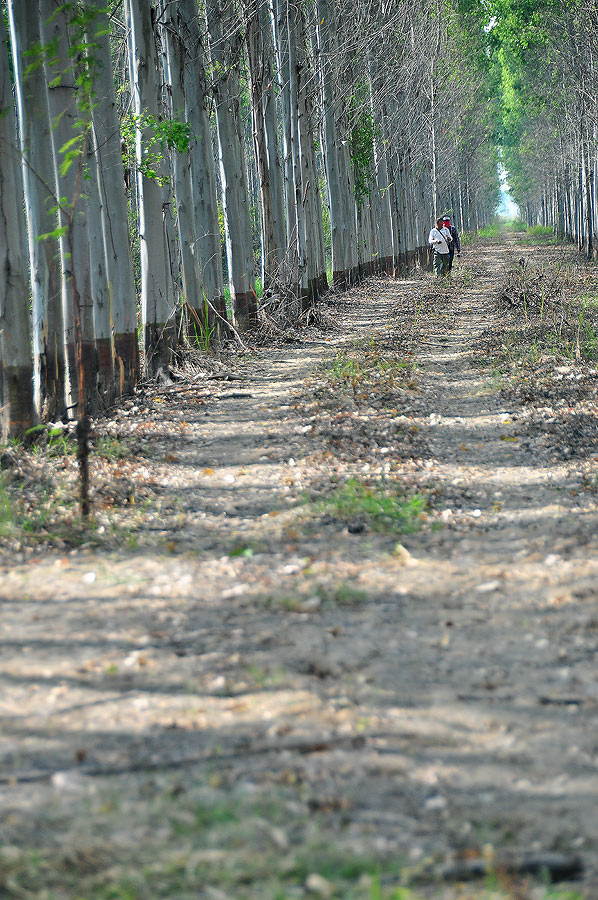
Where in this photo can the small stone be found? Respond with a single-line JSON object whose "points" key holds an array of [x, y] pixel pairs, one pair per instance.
{"points": [[434, 803], [312, 604], [476, 513], [487, 587], [89, 578], [403, 555], [68, 781], [132, 659], [320, 886], [355, 527]]}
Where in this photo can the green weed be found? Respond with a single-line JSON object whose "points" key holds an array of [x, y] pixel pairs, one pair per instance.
{"points": [[516, 225], [490, 231], [384, 508], [366, 368], [540, 231], [108, 447], [347, 595]]}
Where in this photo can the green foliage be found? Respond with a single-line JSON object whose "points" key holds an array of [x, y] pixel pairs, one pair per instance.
{"points": [[81, 71], [158, 136], [364, 130], [490, 231], [203, 332], [540, 230]]}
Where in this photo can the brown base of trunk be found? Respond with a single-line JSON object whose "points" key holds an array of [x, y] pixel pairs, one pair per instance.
{"points": [[354, 275], [52, 386], [425, 258], [126, 352], [106, 381], [73, 373], [245, 310], [219, 303], [159, 339], [340, 280], [322, 284], [389, 265], [89, 373], [305, 299], [18, 414]]}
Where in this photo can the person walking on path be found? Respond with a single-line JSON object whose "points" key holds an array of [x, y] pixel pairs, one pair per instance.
{"points": [[439, 239], [455, 244]]}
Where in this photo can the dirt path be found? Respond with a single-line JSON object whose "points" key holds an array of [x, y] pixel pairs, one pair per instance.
{"points": [[249, 700]]}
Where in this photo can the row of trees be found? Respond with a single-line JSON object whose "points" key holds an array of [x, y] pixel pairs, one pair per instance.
{"points": [[175, 171], [546, 53]]}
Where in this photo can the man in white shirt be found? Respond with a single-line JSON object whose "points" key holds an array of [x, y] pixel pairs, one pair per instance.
{"points": [[439, 239]]}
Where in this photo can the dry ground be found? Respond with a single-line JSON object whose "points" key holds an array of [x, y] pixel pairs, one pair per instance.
{"points": [[252, 682]]}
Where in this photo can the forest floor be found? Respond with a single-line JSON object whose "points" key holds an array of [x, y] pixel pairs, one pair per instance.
{"points": [[332, 629]]}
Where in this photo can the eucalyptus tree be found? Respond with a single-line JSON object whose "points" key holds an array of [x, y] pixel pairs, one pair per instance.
{"points": [[68, 67], [281, 46], [545, 55], [203, 169], [40, 204], [16, 388], [108, 163], [172, 35], [225, 39], [260, 55], [157, 310]]}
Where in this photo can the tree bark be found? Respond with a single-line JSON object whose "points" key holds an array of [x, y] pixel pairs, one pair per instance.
{"points": [[225, 49], [157, 310], [16, 394], [38, 180], [117, 248]]}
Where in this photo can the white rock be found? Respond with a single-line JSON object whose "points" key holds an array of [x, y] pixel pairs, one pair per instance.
{"points": [[317, 884], [434, 803], [89, 578], [68, 781], [237, 590], [312, 604], [487, 587], [476, 513]]}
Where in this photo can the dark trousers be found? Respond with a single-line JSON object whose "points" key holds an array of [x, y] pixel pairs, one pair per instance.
{"points": [[451, 257]]}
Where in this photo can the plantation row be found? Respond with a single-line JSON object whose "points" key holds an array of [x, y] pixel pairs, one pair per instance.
{"points": [[214, 165]]}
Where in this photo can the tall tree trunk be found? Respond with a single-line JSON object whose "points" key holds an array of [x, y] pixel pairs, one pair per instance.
{"points": [[171, 30], [263, 110], [99, 288], [16, 389], [281, 43], [203, 172], [336, 180], [63, 95], [111, 176], [157, 310], [225, 49], [38, 178]]}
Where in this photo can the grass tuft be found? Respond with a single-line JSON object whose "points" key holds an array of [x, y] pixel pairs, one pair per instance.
{"points": [[384, 507]]}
